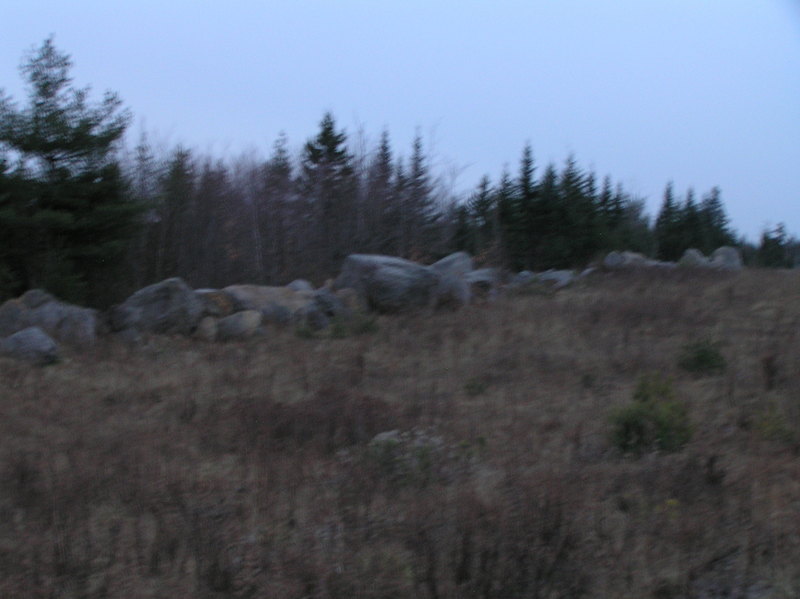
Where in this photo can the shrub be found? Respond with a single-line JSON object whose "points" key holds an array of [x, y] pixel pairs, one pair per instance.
{"points": [[654, 420], [702, 358]]}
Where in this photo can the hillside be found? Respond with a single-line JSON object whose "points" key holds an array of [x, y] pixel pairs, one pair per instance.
{"points": [[185, 469]]}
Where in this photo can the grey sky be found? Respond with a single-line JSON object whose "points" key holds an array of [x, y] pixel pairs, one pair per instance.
{"points": [[701, 92]]}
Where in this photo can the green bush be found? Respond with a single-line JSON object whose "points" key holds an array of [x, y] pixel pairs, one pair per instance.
{"points": [[702, 358], [654, 420]]}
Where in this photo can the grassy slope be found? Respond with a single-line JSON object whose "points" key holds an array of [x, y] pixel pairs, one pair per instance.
{"points": [[193, 470]]}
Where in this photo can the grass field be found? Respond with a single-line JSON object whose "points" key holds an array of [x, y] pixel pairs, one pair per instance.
{"points": [[184, 469]]}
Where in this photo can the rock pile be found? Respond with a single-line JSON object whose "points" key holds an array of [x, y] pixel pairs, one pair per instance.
{"points": [[723, 258], [32, 326]]}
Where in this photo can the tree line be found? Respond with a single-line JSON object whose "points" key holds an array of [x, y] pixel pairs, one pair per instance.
{"points": [[89, 220]]}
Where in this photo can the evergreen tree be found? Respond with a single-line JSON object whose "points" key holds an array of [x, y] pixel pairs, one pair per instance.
{"points": [[419, 208], [175, 217], [691, 224], [380, 203], [668, 233], [275, 213], [328, 183], [528, 209], [553, 242], [578, 228], [481, 211], [507, 223], [66, 219], [714, 222], [774, 249]]}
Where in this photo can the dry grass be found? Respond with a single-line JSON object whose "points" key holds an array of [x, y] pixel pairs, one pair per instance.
{"points": [[245, 470]]}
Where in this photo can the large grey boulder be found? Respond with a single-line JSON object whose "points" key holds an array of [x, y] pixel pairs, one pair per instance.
{"points": [[31, 345], [170, 306], [453, 288], [693, 258], [301, 285], [726, 258], [13, 317], [623, 260], [215, 302], [331, 304], [237, 326], [557, 278], [484, 282], [66, 322], [206, 329], [388, 284], [522, 279], [276, 304]]}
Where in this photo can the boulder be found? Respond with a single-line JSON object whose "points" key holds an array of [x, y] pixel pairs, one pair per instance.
{"points": [[726, 258], [459, 263], [621, 260], [301, 285], [206, 329], [522, 279], [31, 345], [67, 323], [215, 302], [453, 289], [13, 317], [388, 284], [350, 300], [693, 258], [484, 282], [170, 306], [33, 298], [331, 304], [313, 317], [276, 304], [237, 326], [36, 308], [558, 278]]}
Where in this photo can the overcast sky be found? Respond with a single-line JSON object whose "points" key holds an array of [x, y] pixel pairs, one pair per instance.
{"points": [[700, 92]]}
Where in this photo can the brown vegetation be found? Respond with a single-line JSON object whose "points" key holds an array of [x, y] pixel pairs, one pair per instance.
{"points": [[183, 469]]}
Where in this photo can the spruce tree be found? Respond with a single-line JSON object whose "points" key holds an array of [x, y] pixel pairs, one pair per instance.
{"points": [[528, 208], [482, 216], [507, 222], [669, 238], [65, 219], [328, 184], [419, 206], [380, 198], [714, 222]]}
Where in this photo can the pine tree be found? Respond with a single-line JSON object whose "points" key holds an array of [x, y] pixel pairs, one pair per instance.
{"points": [[275, 213], [714, 222], [481, 211], [328, 184], [419, 206], [174, 215], [552, 245], [669, 237], [774, 249], [578, 229], [67, 220], [528, 208], [508, 223], [380, 198], [690, 223]]}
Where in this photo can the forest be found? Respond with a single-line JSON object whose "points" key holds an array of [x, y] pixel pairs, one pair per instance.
{"points": [[91, 217]]}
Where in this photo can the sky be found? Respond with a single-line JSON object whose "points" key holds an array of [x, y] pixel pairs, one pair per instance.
{"points": [[702, 93]]}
